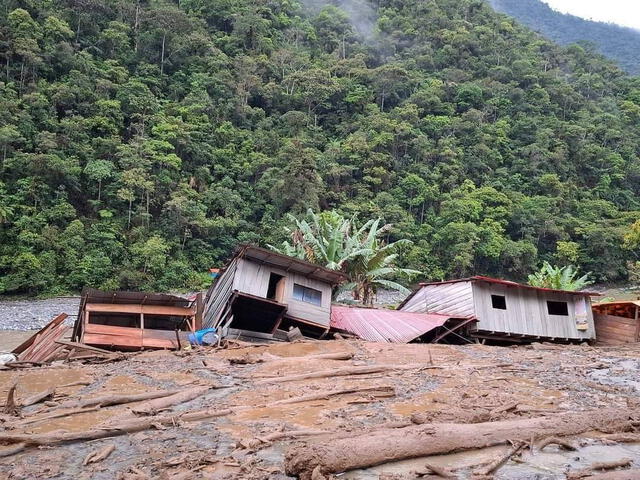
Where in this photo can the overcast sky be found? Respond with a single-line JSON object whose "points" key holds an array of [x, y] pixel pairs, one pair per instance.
{"points": [[623, 12]]}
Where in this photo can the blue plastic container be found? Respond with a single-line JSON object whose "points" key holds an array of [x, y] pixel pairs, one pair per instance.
{"points": [[205, 336]]}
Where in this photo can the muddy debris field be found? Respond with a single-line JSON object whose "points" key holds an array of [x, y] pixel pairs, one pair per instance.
{"points": [[328, 409]]}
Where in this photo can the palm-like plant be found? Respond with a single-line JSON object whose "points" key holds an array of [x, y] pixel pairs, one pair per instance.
{"points": [[559, 278], [334, 242]]}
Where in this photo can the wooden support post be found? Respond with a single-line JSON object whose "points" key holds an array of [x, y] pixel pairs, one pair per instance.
{"points": [[197, 320], [141, 331], [637, 323]]}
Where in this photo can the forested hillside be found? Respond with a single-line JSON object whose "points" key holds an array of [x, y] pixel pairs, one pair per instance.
{"points": [[141, 141], [618, 43]]}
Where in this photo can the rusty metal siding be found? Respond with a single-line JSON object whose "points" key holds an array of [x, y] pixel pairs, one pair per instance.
{"points": [[453, 299], [527, 313], [377, 325]]}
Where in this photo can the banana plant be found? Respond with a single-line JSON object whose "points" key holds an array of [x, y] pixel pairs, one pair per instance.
{"points": [[559, 278]]}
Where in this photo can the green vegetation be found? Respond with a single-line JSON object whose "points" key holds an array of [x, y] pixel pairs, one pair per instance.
{"points": [[559, 278], [618, 43], [141, 141], [335, 242]]}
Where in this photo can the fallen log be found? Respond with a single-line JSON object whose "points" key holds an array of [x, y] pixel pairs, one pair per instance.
{"points": [[153, 406], [591, 470], [12, 450], [386, 445], [108, 400], [632, 474], [340, 372], [66, 413], [99, 455], [386, 390]]}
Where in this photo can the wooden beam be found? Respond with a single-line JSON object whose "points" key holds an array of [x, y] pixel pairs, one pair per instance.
{"points": [[448, 331], [140, 309]]}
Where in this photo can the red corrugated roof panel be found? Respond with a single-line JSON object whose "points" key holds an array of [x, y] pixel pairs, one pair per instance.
{"points": [[378, 325]]}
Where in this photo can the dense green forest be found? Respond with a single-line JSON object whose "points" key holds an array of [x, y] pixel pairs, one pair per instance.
{"points": [[618, 43], [141, 141]]}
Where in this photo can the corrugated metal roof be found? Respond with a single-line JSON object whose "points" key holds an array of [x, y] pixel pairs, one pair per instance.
{"points": [[378, 325], [92, 295], [480, 278]]}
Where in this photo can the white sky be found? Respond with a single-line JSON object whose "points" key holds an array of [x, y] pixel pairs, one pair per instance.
{"points": [[622, 12]]}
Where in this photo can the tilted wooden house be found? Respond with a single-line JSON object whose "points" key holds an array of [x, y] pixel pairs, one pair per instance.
{"points": [[506, 310], [262, 291], [617, 322]]}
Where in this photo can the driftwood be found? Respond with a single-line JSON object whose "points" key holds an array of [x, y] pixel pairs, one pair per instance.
{"points": [[439, 471], [385, 390], [38, 397], [56, 414], [110, 430], [108, 400], [592, 469], [557, 441], [498, 462], [632, 474], [11, 407], [377, 447], [340, 372], [12, 450], [99, 455], [153, 406], [265, 440]]}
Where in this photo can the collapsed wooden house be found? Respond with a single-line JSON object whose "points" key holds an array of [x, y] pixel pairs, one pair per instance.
{"points": [[135, 320], [262, 291], [617, 322], [508, 311]]}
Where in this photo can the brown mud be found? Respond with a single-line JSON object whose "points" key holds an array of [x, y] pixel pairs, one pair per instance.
{"points": [[456, 384]]}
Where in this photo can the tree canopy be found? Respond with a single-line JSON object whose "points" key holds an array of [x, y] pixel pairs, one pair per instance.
{"points": [[140, 141]]}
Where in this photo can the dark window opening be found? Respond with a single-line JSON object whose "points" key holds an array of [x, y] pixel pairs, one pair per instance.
{"points": [[272, 289], [499, 302], [131, 320], [306, 294], [558, 308], [165, 322]]}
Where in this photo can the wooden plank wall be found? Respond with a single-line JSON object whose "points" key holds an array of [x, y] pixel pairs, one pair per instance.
{"points": [[253, 278], [527, 313], [612, 330]]}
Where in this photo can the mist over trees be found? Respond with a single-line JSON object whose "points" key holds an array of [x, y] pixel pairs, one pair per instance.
{"points": [[141, 141], [618, 43]]}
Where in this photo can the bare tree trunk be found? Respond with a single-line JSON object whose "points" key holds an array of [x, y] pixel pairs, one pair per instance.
{"points": [[387, 445], [164, 37], [136, 26]]}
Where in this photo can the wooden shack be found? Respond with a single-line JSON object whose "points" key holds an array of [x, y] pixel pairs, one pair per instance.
{"points": [[508, 311], [617, 322], [135, 320], [262, 291]]}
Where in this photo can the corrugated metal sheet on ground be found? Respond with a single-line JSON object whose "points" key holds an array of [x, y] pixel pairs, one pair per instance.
{"points": [[391, 326]]}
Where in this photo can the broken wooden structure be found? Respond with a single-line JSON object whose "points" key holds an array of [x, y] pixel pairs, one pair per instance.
{"points": [[263, 291], [617, 322], [393, 326], [508, 311], [42, 346], [135, 320]]}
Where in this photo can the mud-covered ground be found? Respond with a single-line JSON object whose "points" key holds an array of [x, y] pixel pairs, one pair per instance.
{"points": [[474, 383]]}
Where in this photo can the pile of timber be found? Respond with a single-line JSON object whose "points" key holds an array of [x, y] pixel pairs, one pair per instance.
{"points": [[48, 345]]}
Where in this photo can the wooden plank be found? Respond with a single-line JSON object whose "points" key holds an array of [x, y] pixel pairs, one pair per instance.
{"points": [[140, 309], [27, 343], [616, 319], [112, 336]]}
